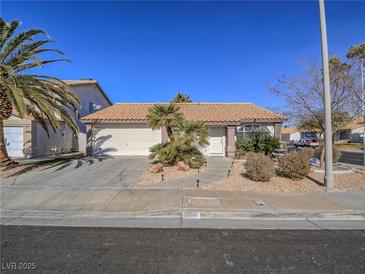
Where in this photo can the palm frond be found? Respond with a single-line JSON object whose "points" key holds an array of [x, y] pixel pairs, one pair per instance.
{"points": [[18, 40], [7, 30]]}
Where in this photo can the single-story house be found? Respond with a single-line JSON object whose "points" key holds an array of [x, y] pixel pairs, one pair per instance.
{"points": [[351, 132], [294, 134], [122, 129], [24, 137]]}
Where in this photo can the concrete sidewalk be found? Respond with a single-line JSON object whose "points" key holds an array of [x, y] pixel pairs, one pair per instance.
{"points": [[178, 208]]}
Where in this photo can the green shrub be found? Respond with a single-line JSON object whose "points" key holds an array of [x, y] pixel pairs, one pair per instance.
{"points": [[259, 167], [169, 155], [245, 144], [165, 153], [194, 158], [295, 165], [258, 142], [336, 153]]}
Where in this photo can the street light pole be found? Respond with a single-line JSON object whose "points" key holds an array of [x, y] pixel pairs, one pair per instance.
{"points": [[328, 177], [363, 104]]}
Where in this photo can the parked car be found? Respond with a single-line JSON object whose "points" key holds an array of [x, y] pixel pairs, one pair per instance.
{"points": [[311, 142]]}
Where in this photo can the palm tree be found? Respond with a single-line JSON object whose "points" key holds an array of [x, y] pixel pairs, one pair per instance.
{"points": [[181, 98], [193, 133], [46, 98], [167, 116]]}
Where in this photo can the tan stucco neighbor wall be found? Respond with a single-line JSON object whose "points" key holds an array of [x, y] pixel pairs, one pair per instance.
{"points": [[42, 144]]}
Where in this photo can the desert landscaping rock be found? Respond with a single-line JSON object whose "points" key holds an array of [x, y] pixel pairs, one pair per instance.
{"points": [[157, 168], [182, 166]]}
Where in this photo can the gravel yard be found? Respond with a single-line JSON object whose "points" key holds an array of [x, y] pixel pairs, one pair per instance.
{"points": [[313, 183], [169, 172]]}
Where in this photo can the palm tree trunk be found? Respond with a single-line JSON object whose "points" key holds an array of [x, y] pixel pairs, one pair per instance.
{"points": [[170, 134], [5, 113], [4, 157]]}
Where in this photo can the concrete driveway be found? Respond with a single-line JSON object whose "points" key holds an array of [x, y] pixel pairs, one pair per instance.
{"points": [[85, 172], [352, 157]]}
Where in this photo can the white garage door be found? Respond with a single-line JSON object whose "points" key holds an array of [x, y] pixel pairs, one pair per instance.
{"points": [[14, 141], [125, 139]]}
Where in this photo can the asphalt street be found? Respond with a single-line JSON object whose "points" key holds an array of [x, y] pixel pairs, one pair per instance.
{"points": [[117, 250]]}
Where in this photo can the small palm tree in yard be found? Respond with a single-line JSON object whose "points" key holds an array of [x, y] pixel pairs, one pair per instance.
{"points": [[167, 116], [184, 137], [46, 98]]}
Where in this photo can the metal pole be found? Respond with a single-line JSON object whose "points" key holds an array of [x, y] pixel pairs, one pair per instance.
{"points": [[328, 177], [363, 104]]}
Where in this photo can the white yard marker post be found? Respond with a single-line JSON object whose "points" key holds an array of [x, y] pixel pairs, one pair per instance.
{"points": [[328, 177]]}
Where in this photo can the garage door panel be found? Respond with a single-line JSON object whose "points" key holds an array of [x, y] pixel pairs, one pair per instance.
{"points": [[122, 140], [14, 141]]}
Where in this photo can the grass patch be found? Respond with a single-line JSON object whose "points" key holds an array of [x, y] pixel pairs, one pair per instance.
{"points": [[350, 146]]}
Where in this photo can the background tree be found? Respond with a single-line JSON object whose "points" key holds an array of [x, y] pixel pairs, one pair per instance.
{"points": [[305, 97], [46, 98], [357, 52], [357, 55], [181, 98]]}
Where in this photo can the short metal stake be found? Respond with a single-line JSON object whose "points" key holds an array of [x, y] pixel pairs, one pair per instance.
{"points": [[197, 183], [162, 177]]}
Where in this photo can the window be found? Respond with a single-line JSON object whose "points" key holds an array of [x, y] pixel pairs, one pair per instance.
{"points": [[91, 107], [245, 130]]}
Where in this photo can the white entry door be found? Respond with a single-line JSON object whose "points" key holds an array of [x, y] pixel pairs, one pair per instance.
{"points": [[216, 145], [14, 141], [217, 141]]}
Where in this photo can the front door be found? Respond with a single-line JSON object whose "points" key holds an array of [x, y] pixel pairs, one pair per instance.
{"points": [[216, 145], [216, 141]]}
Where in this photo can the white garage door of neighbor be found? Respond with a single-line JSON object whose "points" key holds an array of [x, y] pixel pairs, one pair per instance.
{"points": [[14, 141], [125, 139]]}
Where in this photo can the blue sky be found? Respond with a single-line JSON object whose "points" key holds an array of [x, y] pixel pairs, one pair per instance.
{"points": [[214, 51]]}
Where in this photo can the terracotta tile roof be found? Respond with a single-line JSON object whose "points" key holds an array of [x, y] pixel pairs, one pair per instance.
{"points": [[289, 130], [207, 112], [355, 123]]}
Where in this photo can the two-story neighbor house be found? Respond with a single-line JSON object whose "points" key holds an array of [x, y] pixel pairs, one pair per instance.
{"points": [[24, 137], [122, 129]]}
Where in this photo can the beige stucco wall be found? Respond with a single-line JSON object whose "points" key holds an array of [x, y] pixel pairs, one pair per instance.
{"points": [[358, 130], [42, 144]]}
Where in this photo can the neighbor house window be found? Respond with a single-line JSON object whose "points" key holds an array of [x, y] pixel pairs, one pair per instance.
{"points": [[91, 107], [246, 130]]}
